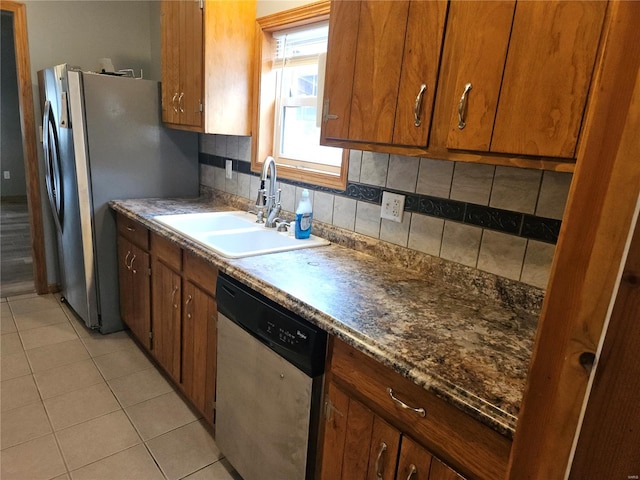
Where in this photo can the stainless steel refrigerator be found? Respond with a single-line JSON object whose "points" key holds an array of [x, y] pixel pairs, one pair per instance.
{"points": [[103, 139]]}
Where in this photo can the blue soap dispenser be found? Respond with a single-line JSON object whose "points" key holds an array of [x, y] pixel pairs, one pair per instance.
{"points": [[304, 216]]}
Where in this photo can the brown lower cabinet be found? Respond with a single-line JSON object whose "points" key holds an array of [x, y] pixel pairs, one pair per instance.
{"points": [[133, 276], [172, 311], [369, 435]]}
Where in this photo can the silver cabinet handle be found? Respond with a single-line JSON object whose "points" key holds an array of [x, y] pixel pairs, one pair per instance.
{"points": [[133, 258], [173, 296], [131, 229], [180, 106], [126, 260], [420, 411], [462, 107], [412, 470], [379, 461], [187, 302], [173, 102], [417, 108]]}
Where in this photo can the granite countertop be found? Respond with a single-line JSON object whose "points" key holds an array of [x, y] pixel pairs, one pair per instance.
{"points": [[469, 349]]}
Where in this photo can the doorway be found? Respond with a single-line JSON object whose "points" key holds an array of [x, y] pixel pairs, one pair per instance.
{"points": [[33, 242]]}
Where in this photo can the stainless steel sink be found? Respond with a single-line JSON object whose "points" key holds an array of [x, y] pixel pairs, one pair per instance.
{"points": [[235, 234]]}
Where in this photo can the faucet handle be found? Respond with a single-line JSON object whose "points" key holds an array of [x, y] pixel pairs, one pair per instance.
{"points": [[282, 225]]}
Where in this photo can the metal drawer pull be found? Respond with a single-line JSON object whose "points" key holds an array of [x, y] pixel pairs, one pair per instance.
{"points": [[417, 108], [379, 462], [131, 229], [420, 411], [173, 294], [412, 470], [173, 102], [131, 264], [180, 102], [187, 302], [126, 260], [462, 107]]}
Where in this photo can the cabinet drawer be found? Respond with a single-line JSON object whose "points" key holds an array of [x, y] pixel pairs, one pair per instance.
{"points": [[133, 231], [200, 272], [166, 251], [474, 449]]}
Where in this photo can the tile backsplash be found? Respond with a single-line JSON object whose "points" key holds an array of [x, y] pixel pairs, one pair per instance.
{"points": [[502, 220]]}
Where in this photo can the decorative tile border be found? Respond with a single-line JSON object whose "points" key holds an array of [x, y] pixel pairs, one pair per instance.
{"points": [[506, 221]]}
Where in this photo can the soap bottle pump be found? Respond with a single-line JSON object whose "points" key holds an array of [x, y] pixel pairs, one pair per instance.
{"points": [[304, 216]]}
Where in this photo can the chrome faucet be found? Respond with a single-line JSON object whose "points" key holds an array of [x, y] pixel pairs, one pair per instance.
{"points": [[268, 200]]}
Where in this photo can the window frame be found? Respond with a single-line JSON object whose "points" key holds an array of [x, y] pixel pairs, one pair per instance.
{"points": [[264, 106]]}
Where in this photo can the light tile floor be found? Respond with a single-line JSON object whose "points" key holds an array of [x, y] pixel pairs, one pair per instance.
{"points": [[79, 405]]}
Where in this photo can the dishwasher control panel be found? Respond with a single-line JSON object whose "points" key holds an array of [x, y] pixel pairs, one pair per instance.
{"points": [[290, 336]]}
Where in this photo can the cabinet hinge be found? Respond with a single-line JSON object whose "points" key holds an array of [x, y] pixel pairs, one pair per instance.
{"points": [[149, 271], [201, 2], [150, 335], [330, 409], [201, 107], [325, 113]]}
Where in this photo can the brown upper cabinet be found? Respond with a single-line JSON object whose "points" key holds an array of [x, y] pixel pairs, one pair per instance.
{"points": [[382, 67], [515, 75], [207, 54], [510, 86]]}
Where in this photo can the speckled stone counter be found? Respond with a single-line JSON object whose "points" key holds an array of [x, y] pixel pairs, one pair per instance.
{"points": [[469, 349]]}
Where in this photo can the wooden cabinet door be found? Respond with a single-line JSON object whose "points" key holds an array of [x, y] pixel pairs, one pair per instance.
{"points": [[415, 461], [167, 318], [378, 63], [140, 318], [191, 60], [357, 444], [170, 58], [547, 76], [124, 279], [199, 320], [476, 49], [182, 60], [380, 54], [341, 60], [420, 63]]}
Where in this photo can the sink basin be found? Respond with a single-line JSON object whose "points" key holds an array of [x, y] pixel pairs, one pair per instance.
{"points": [[235, 234]]}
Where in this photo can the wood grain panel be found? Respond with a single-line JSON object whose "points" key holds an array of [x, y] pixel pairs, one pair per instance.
{"points": [[476, 50], [439, 471], [170, 59], [191, 63], [549, 66], [588, 256], [414, 458], [341, 59], [200, 272], [229, 50], [140, 319], [357, 441], [133, 231], [420, 64], [610, 435], [166, 251], [334, 432], [166, 319], [376, 77], [382, 460]]}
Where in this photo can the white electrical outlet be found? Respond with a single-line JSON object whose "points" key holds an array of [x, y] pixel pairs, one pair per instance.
{"points": [[7, 174], [392, 206], [229, 169]]}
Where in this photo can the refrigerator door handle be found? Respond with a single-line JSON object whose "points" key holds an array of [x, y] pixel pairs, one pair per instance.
{"points": [[52, 165]]}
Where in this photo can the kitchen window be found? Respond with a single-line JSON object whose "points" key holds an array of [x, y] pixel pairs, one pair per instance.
{"points": [[290, 69]]}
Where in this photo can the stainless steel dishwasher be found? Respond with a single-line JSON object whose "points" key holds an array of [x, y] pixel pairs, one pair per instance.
{"points": [[268, 394]]}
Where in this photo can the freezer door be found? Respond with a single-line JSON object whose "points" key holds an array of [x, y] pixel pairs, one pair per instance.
{"points": [[76, 286]]}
